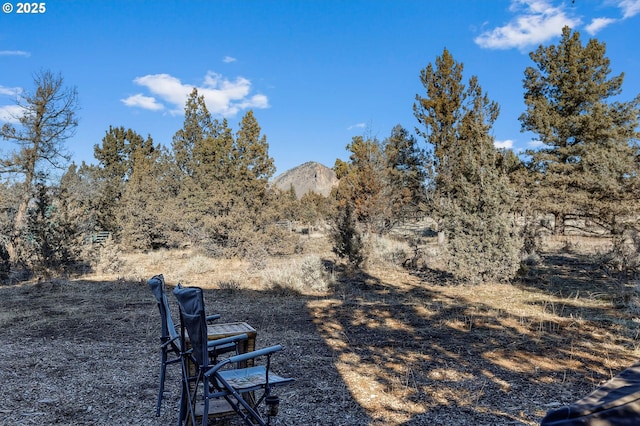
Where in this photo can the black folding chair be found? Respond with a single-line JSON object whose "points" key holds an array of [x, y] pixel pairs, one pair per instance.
{"points": [[220, 380], [169, 338]]}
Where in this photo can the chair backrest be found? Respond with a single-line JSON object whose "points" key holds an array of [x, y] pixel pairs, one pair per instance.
{"points": [[194, 321], [168, 329]]}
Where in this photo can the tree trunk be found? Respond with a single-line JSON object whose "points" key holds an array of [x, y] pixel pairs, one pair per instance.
{"points": [[19, 221], [558, 223]]}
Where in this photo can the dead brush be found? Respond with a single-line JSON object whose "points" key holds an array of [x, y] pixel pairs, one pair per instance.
{"points": [[229, 286], [299, 276], [622, 262]]}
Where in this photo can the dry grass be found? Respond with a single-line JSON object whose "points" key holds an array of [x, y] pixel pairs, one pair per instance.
{"points": [[384, 347]]}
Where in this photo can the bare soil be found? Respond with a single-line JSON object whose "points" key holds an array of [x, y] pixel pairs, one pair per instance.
{"points": [[383, 348]]}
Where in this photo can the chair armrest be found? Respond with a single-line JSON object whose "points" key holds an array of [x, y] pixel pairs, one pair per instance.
{"points": [[260, 352], [213, 317], [244, 357], [230, 339]]}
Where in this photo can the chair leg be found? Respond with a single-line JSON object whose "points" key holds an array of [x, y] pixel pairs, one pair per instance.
{"points": [[205, 412], [250, 414], [163, 370], [187, 401], [183, 406]]}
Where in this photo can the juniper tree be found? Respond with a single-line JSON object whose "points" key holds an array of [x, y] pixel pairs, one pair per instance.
{"points": [[249, 208], [76, 196], [588, 165], [362, 183], [51, 242], [472, 198], [116, 157], [347, 239], [142, 203]]}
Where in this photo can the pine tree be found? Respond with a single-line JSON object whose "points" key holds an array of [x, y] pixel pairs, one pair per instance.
{"points": [[406, 174], [588, 165], [188, 141], [253, 167], [439, 113]]}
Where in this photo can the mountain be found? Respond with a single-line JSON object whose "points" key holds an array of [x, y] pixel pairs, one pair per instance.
{"points": [[310, 176]]}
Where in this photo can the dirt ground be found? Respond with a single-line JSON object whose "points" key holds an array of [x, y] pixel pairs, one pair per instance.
{"points": [[383, 348]]}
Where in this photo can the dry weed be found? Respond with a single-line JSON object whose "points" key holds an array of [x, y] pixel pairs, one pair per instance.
{"points": [[305, 275], [387, 250]]}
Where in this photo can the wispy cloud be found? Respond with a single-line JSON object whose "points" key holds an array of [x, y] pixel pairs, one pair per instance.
{"points": [[629, 8], [228, 59], [10, 91], [223, 96], [357, 126], [506, 144], [535, 22], [599, 23], [10, 114], [14, 53]]}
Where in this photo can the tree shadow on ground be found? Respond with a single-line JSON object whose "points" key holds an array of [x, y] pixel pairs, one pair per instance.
{"points": [[319, 395], [87, 352], [569, 275], [416, 353], [381, 349]]}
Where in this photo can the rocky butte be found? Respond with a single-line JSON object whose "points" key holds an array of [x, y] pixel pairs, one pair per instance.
{"points": [[307, 177]]}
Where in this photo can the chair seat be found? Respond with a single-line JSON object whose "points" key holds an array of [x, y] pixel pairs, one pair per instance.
{"points": [[251, 377]]}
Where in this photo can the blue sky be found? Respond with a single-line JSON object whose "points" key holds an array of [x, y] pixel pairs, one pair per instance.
{"points": [[315, 73]]}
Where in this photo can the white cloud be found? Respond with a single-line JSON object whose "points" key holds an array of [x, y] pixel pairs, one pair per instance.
{"points": [[506, 144], [536, 22], [167, 88], [629, 8], [228, 59], [599, 23], [14, 53], [357, 126], [223, 96], [142, 101], [256, 101], [10, 91], [10, 113]]}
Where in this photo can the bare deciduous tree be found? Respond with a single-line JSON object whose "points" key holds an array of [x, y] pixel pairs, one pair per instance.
{"points": [[47, 119]]}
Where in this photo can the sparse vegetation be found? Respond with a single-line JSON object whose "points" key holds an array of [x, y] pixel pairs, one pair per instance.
{"points": [[382, 347]]}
